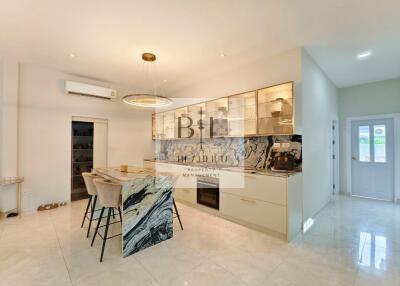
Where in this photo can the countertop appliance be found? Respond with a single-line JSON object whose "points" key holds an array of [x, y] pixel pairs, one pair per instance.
{"points": [[283, 161]]}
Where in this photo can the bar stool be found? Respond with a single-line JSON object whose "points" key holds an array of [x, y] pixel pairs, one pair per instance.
{"points": [[110, 197], [91, 189], [176, 213]]}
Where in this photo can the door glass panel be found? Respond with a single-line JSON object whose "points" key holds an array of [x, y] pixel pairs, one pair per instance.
{"points": [[380, 143], [364, 251], [380, 252], [364, 144]]}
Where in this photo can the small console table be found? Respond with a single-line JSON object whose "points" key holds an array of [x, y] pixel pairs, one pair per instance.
{"points": [[14, 181]]}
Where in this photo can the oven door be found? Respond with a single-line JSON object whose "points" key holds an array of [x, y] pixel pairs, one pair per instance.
{"points": [[208, 194]]}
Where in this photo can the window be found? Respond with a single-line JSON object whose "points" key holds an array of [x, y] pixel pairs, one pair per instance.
{"points": [[380, 143], [364, 144]]}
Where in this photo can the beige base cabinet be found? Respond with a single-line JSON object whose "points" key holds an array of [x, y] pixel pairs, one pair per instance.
{"points": [[266, 202], [148, 164], [186, 195], [185, 188], [260, 213], [274, 203]]}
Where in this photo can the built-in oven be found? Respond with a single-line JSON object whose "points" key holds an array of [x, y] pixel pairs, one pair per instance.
{"points": [[208, 191]]}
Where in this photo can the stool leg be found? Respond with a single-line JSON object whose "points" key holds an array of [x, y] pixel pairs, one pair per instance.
{"points": [[105, 233], [113, 213], [120, 214], [91, 215], [177, 213], [87, 208], [98, 224]]}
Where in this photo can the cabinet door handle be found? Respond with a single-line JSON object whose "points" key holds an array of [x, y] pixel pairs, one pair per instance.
{"points": [[250, 176], [248, 201]]}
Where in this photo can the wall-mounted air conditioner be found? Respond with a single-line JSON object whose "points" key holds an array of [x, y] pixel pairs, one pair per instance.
{"points": [[78, 88]]}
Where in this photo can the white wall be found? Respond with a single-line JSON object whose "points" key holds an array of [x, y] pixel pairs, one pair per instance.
{"points": [[376, 98], [319, 107], [45, 133], [1, 117], [9, 129]]}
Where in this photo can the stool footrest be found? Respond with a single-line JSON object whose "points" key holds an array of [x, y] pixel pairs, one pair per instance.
{"points": [[109, 236], [110, 223]]}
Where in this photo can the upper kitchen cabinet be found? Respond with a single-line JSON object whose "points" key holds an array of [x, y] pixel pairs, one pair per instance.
{"points": [[267, 111], [182, 122], [200, 125], [169, 124], [158, 126], [242, 114], [153, 127], [217, 117], [275, 110]]}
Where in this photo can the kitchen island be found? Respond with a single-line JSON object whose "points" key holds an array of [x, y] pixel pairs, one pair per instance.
{"points": [[146, 206]]}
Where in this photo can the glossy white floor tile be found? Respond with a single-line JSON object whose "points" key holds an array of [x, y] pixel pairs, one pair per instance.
{"points": [[353, 242]]}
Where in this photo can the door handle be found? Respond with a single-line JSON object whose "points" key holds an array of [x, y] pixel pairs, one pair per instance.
{"points": [[248, 201], [353, 158]]}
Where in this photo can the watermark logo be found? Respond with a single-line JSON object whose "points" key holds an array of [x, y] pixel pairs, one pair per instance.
{"points": [[187, 123]]}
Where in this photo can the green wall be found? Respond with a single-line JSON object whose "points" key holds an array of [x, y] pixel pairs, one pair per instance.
{"points": [[381, 97]]}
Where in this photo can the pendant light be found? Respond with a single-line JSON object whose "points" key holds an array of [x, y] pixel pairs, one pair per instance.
{"points": [[151, 100]]}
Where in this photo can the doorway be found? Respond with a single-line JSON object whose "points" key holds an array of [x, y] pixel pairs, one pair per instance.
{"points": [[372, 158], [89, 137], [334, 159]]}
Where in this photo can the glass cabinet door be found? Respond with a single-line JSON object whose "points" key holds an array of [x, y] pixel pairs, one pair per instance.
{"points": [[159, 126], [182, 115], [217, 111], [198, 115], [275, 109], [153, 127], [242, 114], [169, 124]]}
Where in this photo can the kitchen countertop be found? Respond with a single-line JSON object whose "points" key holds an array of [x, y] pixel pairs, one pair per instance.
{"points": [[283, 174], [115, 174]]}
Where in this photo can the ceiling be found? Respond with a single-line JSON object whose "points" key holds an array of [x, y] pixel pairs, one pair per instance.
{"points": [[188, 37]]}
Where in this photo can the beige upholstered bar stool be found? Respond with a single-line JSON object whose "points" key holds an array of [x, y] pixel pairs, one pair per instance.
{"points": [[92, 191], [110, 197], [176, 213]]}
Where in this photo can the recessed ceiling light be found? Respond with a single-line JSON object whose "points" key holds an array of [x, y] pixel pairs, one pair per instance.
{"points": [[364, 55], [222, 55], [165, 80], [71, 55]]}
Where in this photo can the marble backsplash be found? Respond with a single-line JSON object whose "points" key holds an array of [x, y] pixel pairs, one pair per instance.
{"points": [[249, 152]]}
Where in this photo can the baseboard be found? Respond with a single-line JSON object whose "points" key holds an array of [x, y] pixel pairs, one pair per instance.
{"points": [[235, 220], [347, 194]]}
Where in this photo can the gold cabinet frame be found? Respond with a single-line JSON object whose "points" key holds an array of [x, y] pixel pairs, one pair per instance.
{"points": [[258, 131]]}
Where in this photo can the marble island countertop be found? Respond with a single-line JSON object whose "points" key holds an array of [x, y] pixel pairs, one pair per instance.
{"points": [[240, 169], [115, 174]]}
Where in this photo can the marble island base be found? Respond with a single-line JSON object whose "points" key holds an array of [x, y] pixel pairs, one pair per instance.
{"points": [[147, 206]]}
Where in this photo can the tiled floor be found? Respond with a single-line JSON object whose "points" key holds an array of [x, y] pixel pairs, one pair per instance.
{"points": [[353, 242]]}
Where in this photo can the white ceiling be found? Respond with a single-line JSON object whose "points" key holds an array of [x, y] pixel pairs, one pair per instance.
{"points": [[188, 37]]}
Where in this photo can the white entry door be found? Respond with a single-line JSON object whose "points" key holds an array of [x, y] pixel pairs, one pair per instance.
{"points": [[372, 170]]}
